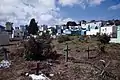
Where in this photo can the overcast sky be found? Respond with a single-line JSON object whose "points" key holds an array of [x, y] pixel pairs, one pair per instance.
{"points": [[57, 11]]}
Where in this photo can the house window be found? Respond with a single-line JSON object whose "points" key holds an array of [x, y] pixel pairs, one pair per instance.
{"points": [[16, 27], [105, 29], [88, 27], [96, 27], [17, 34]]}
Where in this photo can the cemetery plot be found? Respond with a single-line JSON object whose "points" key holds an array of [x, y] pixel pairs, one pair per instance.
{"points": [[72, 66], [4, 63]]}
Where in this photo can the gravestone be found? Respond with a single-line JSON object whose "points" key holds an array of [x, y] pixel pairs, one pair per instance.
{"points": [[37, 69], [38, 77]]}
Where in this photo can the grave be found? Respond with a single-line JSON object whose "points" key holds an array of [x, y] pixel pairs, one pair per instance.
{"points": [[88, 51], [66, 52], [38, 75], [5, 63]]}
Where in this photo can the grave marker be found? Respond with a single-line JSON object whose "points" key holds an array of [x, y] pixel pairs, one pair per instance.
{"points": [[66, 52], [4, 52], [37, 75], [37, 69], [5, 62], [88, 50]]}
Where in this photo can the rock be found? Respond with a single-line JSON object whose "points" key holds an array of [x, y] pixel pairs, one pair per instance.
{"points": [[5, 64], [51, 75], [38, 77]]}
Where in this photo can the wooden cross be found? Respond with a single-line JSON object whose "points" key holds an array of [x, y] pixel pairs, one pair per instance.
{"points": [[88, 50], [37, 69], [66, 54], [105, 68]]}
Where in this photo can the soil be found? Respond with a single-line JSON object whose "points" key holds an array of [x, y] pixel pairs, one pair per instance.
{"points": [[78, 67]]}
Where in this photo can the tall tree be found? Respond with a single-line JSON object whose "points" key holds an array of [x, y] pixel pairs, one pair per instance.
{"points": [[71, 23], [33, 28]]}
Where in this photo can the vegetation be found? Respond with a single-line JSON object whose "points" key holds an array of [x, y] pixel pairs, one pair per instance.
{"points": [[63, 38], [33, 28], [104, 39], [71, 23], [39, 48]]}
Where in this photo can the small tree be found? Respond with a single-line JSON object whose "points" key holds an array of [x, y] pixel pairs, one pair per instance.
{"points": [[63, 38], [103, 39], [39, 48], [33, 28]]}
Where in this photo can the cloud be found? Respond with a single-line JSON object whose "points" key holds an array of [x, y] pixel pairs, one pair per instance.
{"points": [[68, 2], [21, 11], [114, 7], [82, 3], [64, 21], [95, 2], [45, 12]]}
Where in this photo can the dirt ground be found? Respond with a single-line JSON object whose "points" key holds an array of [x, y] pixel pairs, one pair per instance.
{"points": [[78, 67]]}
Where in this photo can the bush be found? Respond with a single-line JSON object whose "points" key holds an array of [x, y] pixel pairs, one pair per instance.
{"points": [[63, 38], [104, 39], [38, 49], [101, 48]]}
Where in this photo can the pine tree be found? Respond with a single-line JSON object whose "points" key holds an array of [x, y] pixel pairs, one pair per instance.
{"points": [[33, 28]]}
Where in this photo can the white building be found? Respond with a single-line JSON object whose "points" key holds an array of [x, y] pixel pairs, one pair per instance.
{"points": [[17, 33], [92, 32], [66, 31], [41, 28], [91, 24], [74, 27], [92, 28], [110, 30], [9, 29]]}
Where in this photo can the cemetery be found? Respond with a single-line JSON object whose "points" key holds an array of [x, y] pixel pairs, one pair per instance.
{"points": [[76, 61], [64, 57]]}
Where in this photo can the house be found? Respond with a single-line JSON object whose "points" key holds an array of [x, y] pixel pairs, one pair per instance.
{"points": [[67, 31], [92, 28], [9, 29], [45, 27], [23, 30], [17, 34], [117, 39], [41, 29], [110, 30], [59, 30], [74, 27]]}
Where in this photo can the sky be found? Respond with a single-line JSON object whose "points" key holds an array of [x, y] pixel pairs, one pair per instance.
{"points": [[52, 12]]}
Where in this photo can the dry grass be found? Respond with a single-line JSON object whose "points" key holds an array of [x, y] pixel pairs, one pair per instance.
{"points": [[70, 70]]}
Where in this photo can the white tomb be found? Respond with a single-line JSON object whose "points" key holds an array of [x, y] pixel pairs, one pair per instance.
{"points": [[38, 77]]}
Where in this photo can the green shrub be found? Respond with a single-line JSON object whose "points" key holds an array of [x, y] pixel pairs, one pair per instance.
{"points": [[104, 39], [63, 38], [38, 48]]}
